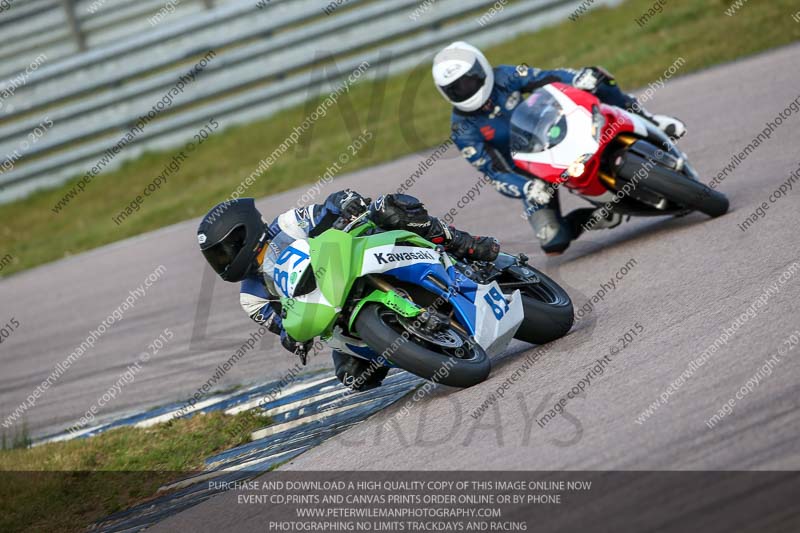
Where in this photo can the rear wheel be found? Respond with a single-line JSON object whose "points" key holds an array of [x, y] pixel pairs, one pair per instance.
{"points": [[548, 311], [446, 356]]}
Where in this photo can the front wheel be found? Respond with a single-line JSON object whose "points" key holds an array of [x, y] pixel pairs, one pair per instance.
{"points": [[680, 188], [548, 311], [446, 357]]}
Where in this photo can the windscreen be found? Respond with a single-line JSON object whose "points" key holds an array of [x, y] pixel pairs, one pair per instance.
{"points": [[538, 124]]}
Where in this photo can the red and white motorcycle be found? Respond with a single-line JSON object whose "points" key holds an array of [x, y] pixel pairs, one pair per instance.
{"points": [[607, 155]]}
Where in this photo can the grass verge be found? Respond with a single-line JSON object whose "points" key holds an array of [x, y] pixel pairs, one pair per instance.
{"points": [[408, 117], [64, 486]]}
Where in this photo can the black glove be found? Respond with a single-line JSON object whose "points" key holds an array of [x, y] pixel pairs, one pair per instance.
{"points": [[298, 348], [400, 211], [353, 204]]}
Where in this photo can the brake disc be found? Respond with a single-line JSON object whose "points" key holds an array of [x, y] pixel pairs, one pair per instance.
{"points": [[446, 338]]}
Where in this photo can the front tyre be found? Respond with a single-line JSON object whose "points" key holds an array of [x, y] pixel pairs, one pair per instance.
{"points": [[688, 192], [677, 187], [449, 359]]}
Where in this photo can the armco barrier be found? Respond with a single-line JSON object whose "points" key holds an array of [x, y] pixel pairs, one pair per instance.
{"points": [[94, 97]]}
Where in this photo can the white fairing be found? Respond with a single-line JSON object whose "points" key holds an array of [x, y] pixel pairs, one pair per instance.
{"points": [[290, 266], [578, 142], [388, 257], [639, 124], [498, 316], [495, 325]]}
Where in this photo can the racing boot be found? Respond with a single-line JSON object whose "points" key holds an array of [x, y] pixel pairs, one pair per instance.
{"points": [[673, 127], [604, 219], [358, 374], [554, 234], [590, 218], [461, 244]]}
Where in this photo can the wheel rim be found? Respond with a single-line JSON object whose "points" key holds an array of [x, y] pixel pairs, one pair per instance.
{"points": [[445, 338], [449, 342]]}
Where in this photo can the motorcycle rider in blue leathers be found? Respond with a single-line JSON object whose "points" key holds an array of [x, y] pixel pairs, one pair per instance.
{"points": [[484, 99], [233, 238]]}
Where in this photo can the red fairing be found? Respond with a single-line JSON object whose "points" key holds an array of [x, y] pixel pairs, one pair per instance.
{"points": [[588, 183], [540, 170], [582, 98], [617, 122]]}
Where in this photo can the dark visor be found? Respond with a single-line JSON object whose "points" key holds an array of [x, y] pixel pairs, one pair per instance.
{"points": [[467, 85], [222, 254]]}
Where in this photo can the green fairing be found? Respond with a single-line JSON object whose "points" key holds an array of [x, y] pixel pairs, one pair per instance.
{"points": [[304, 321], [336, 258], [335, 263]]}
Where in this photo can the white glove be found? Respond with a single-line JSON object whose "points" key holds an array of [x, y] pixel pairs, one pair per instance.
{"points": [[590, 78], [538, 192]]}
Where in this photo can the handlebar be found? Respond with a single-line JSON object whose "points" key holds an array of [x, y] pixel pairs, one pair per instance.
{"points": [[355, 221]]}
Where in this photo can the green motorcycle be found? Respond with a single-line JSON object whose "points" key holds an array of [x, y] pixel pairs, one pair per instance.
{"points": [[396, 299]]}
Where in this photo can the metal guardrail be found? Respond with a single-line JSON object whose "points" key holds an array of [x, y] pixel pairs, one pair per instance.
{"points": [[61, 28], [94, 98]]}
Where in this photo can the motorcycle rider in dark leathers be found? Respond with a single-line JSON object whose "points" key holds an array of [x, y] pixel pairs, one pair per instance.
{"points": [[233, 238], [484, 99]]}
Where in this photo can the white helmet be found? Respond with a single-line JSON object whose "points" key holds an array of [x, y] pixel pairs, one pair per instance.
{"points": [[463, 75]]}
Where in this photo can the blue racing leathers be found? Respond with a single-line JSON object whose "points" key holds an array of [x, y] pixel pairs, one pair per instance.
{"points": [[299, 223], [483, 136]]}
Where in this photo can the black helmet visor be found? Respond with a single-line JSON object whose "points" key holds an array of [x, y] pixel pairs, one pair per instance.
{"points": [[467, 85], [222, 254]]}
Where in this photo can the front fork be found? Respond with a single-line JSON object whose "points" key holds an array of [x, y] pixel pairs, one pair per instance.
{"points": [[619, 172], [427, 317]]}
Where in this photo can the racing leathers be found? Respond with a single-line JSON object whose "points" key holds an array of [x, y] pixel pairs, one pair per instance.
{"points": [[483, 136], [393, 211]]}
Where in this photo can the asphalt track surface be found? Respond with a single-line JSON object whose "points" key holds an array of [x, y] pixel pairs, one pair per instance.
{"points": [[693, 277]]}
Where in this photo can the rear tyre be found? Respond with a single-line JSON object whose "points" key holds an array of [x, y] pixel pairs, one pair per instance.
{"points": [[548, 311], [457, 366]]}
